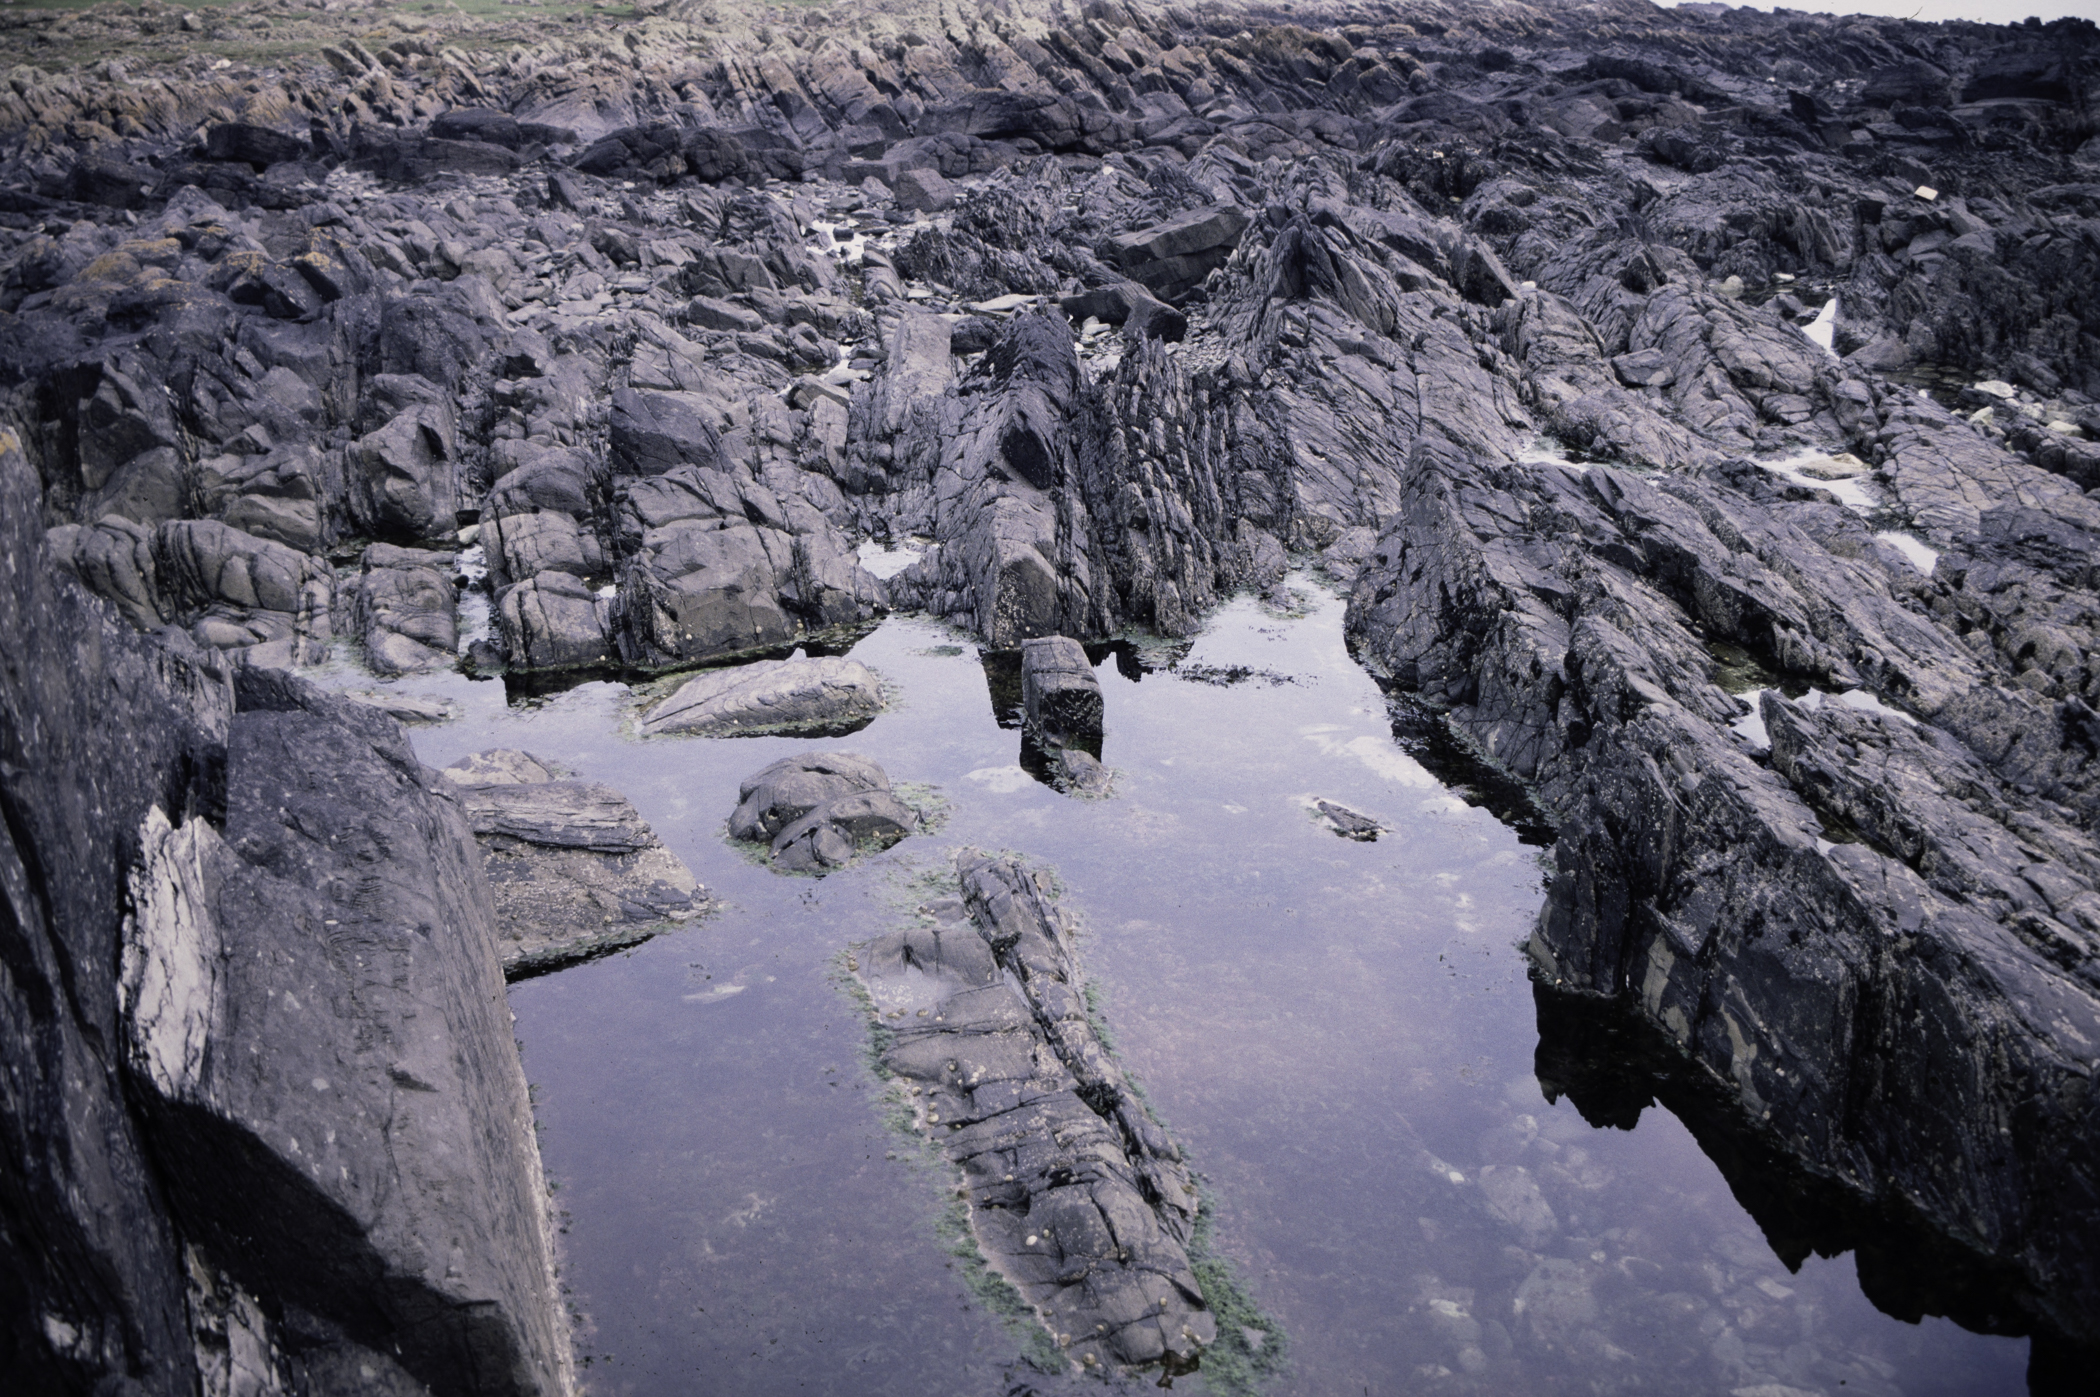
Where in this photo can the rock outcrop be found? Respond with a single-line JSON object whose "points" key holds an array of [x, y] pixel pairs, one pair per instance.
{"points": [[285, 1138], [1076, 1196], [573, 869], [1523, 321]]}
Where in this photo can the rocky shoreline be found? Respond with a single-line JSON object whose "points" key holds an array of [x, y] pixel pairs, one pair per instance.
{"points": [[1590, 348]]}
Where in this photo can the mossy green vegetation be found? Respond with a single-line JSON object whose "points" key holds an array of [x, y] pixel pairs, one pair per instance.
{"points": [[1251, 1347]]}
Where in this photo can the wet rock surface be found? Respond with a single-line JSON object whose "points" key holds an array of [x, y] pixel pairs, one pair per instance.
{"points": [[1076, 1195], [824, 696], [573, 870], [815, 812], [1515, 318]]}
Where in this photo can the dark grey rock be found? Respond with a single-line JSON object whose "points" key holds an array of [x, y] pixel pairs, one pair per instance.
{"points": [[1060, 697], [406, 610], [1171, 257], [573, 870], [830, 835], [1349, 824], [793, 786], [204, 891], [923, 191], [818, 810], [1076, 1195], [555, 621]]}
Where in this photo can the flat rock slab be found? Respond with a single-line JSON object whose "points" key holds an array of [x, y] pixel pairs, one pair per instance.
{"points": [[817, 810], [829, 695], [574, 870], [1076, 1195]]}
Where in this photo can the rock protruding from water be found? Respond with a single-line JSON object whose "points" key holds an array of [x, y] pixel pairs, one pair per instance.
{"points": [[574, 869], [1349, 824], [1060, 697], [1061, 713], [825, 695], [817, 810], [1076, 1195]]}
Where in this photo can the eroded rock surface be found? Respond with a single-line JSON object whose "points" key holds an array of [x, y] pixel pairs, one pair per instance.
{"points": [[826, 695], [573, 869], [289, 1145], [816, 811], [1076, 1195], [1512, 317]]}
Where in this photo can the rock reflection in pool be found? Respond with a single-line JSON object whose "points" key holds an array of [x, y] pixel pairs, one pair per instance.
{"points": [[1341, 1034]]}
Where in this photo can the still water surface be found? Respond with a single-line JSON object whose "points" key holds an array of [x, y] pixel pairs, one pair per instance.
{"points": [[1340, 1034]]}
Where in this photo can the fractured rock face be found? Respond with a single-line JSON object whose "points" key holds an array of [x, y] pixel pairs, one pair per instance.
{"points": [[574, 871], [1076, 1195], [316, 1024]]}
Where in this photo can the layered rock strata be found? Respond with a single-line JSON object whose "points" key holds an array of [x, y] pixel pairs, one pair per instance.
{"points": [[573, 869], [1076, 1196], [269, 1128]]}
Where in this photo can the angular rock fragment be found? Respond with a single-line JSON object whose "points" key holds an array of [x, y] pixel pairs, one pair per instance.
{"points": [[825, 695], [574, 871], [1076, 1195], [1170, 258]]}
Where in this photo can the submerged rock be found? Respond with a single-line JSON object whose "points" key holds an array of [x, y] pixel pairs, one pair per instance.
{"points": [[574, 871], [816, 811], [1076, 1195], [825, 695]]}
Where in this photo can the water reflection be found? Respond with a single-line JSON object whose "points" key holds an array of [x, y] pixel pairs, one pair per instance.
{"points": [[1612, 1066], [1341, 1033]]}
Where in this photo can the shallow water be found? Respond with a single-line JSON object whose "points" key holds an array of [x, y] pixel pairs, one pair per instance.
{"points": [[1340, 1034]]}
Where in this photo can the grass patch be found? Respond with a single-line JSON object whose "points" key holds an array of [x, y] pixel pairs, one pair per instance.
{"points": [[925, 801]]}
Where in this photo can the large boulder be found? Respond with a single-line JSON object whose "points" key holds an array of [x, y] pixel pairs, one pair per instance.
{"points": [[817, 810], [829, 695]]}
